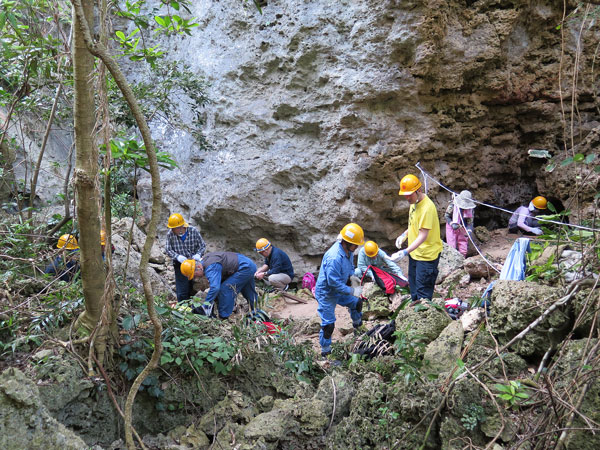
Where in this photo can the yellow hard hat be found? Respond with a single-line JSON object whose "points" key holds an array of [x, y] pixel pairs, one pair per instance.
{"points": [[540, 202], [176, 220], [353, 233], [409, 184], [102, 237], [371, 249], [262, 244], [68, 241], [188, 268]]}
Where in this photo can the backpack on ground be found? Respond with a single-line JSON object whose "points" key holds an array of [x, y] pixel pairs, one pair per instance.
{"points": [[309, 282], [377, 341], [385, 280]]}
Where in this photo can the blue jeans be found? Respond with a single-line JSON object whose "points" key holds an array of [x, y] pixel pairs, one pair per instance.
{"points": [[241, 282], [421, 277], [326, 312], [183, 286]]}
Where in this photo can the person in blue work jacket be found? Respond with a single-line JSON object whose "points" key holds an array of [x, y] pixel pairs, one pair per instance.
{"points": [[66, 265], [372, 255], [277, 268], [332, 289], [183, 242], [228, 275]]}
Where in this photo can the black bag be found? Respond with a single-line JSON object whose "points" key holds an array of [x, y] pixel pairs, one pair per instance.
{"points": [[377, 341]]}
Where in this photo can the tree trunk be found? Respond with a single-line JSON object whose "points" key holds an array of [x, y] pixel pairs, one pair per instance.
{"points": [[84, 178]]}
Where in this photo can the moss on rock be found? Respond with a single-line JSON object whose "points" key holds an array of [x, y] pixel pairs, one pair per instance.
{"points": [[26, 423]]}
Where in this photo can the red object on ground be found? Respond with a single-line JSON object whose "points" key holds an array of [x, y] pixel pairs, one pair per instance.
{"points": [[272, 328]]}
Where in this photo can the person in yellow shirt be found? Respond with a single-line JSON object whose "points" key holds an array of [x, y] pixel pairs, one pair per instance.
{"points": [[424, 242]]}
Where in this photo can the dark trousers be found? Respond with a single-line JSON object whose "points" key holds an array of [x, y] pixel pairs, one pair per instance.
{"points": [[421, 278], [183, 286]]}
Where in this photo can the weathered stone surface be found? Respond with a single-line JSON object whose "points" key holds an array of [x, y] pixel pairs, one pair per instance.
{"points": [[317, 110], [477, 268], [442, 353], [235, 407], [515, 304], [571, 359], [484, 346], [424, 320], [123, 229], [450, 261], [378, 304], [26, 423], [159, 280], [395, 410]]}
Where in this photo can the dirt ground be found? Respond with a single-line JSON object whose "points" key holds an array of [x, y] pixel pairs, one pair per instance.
{"points": [[495, 249]]}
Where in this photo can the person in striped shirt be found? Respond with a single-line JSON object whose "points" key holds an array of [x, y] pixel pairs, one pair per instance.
{"points": [[183, 242]]}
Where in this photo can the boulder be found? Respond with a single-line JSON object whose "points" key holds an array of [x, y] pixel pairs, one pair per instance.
{"points": [[477, 268], [570, 360], [123, 228], [426, 320], [441, 354], [450, 261], [515, 304], [378, 304], [472, 318], [26, 423], [235, 407], [159, 279]]}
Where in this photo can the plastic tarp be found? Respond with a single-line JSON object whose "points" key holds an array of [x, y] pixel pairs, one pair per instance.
{"points": [[515, 265]]}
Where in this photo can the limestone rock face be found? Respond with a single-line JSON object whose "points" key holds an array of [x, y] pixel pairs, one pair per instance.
{"points": [[26, 423], [318, 108]]}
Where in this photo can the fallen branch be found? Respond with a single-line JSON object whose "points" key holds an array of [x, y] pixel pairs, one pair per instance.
{"points": [[293, 297]]}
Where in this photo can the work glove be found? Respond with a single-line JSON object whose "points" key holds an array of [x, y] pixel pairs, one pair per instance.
{"points": [[354, 281], [400, 239], [180, 259], [400, 254], [357, 291], [536, 231], [454, 226], [197, 257]]}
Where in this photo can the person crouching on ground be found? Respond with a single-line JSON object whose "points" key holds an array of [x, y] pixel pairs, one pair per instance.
{"points": [[66, 265], [372, 255], [228, 275], [523, 219], [336, 269], [459, 221], [424, 242], [277, 268]]}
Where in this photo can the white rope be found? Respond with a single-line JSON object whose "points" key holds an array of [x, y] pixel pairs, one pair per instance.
{"points": [[580, 227]]}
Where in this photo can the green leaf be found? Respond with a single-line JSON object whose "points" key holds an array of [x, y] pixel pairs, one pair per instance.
{"points": [[506, 397], [589, 158], [2, 19], [160, 20], [566, 162], [551, 166], [578, 157], [128, 323], [120, 35], [175, 5]]}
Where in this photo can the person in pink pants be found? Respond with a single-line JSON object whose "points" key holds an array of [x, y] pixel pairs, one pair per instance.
{"points": [[461, 206]]}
